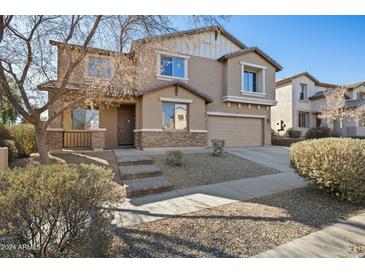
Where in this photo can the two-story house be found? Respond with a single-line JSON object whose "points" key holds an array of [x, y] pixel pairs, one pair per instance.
{"points": [[218, 88], [300, 98]]}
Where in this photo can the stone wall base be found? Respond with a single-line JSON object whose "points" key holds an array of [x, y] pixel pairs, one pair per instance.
{"points": [[170, 139], [98, 140], [54, 139]]}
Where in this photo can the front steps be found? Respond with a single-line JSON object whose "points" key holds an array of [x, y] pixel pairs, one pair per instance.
{"points": [[139, 175], [144, 186], [139, 171]]}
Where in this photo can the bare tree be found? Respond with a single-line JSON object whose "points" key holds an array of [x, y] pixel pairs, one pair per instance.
{"points": [[336, 109], [27, 59]]}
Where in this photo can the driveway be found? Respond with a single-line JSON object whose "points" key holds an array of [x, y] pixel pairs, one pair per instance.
{"points": [[273, 156]]}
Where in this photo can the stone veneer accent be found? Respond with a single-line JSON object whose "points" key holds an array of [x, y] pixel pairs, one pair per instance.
{"points": [[98, 139], [148, 139], [54, 139]]}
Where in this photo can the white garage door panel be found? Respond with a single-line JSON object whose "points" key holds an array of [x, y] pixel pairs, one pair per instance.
{"points": [[235, 130]]}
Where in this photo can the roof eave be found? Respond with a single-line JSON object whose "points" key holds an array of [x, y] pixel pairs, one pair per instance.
{"points": [[227, 56]]}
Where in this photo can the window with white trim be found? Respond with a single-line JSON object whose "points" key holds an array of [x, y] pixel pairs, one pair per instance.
{"points": [[170, 66], [303, 119], [253, 79], [174, 116]]}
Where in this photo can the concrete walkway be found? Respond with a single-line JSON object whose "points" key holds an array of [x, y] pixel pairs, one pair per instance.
{"points": [[345, 239], [170, 204]]}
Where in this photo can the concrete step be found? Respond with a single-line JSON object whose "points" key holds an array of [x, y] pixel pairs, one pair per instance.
{"points": [[132, 160], [139, 171], [144, 186]]}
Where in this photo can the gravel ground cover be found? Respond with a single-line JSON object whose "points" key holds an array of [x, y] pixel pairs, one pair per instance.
{"points": [[203, 168], [241, 229]]}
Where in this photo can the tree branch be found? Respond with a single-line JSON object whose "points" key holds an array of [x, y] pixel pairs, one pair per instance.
{"points": [[61, 90]]}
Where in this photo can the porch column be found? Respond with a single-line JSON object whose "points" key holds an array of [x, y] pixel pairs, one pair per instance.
{"points": [[98, 139], [55, 138]]}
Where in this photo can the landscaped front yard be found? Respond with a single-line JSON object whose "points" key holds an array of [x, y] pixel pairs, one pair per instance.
{"points": [[241, 229], [203, 168], [105, 159]]}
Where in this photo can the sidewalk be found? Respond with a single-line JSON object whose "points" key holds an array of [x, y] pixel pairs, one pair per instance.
{"points": [[140, 210], [345, 239]]}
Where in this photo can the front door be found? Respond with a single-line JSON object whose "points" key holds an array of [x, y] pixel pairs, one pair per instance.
{"points": [[126, 124]]}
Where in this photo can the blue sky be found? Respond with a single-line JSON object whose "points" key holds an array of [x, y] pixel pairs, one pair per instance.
{"points": [[332, 48]]}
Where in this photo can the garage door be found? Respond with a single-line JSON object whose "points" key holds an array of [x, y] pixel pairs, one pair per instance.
{"points": [[236, 131]]}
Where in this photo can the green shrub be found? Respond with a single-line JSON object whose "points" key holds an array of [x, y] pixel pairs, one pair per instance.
{"points": [[174, 158], [218, 146], [336, 165], [24, 138], [321, 132], [59, 210], [12, 150], [292, 133]]}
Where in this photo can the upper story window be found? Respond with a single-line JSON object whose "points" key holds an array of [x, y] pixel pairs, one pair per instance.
{"points": [[99, 67], [175, 116], [253, 78], [85, 118], [172, 66], [303, 92], [249, 80]]}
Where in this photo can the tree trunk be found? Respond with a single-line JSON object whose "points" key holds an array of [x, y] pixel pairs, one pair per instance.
{"points": [[41, 138]]}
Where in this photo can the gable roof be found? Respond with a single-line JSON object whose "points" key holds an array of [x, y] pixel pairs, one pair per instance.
{"points": [[60, 44], [217, 28], [354, 85], [322, 94], [307, 74], [277, 66], [190, 88]]}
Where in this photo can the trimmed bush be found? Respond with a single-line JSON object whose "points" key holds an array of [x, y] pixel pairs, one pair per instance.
{"points": [[24, 138], [57, 210], [292, 133], [174, 158], [336, 165], [321, 132], [218, 145]]}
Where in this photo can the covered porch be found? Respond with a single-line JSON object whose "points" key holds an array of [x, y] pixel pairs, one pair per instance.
{"points": [[95, 128]]}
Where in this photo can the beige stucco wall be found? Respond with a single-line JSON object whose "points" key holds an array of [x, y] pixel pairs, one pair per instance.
{"points": [[234, 74], [283, 109], [152, 108], [212, 77]]}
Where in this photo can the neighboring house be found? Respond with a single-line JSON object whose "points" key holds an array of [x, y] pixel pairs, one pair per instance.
{"points": [[356, 92], [217, 88], [300, 98]]}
